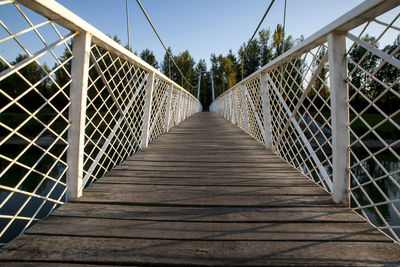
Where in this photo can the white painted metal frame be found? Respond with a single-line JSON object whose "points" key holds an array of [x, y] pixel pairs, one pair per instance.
{"points": [[77, 111], [318, 131], [67, 127]]}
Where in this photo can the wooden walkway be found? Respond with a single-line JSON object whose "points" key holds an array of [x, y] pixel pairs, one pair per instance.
{"points": [[204, 194]]}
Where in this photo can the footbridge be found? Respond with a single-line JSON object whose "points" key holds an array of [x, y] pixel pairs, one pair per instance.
{"points": [[106, 161]]}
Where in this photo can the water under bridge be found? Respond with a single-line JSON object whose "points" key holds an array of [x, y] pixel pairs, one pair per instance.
{"points": [[276, 174]]}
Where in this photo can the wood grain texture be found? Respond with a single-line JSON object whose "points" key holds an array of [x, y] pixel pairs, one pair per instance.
{"points": [[203, 194]]}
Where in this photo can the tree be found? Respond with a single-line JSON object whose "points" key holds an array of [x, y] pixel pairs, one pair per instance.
{"points": [[34, 75], [185, 63], [389, 75], [322, 81], [280, 45], [265, 47], [167, 63], [148, 56], [250, 57], [224, 73], [360, 62], [205, 85]]}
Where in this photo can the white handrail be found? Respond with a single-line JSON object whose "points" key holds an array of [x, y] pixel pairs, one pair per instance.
{"points": [[97, 91], [308, 117], [366, 11], [66, 18]]}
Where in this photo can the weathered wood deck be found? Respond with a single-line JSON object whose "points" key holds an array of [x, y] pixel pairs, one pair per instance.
{"points": [[204, 194]]}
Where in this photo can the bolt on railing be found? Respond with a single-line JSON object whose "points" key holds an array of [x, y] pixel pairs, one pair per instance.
{"points": [[74, 104], [330, 108]]}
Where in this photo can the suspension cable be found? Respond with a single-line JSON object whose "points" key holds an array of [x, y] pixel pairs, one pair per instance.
{"points": [[165, 48], [284, 24], [127, 24], [259, 24], [254, 34]]}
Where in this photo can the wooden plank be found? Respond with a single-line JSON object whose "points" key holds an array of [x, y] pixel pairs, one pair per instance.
{"points": [[210, 214], [204, 190], [272, 164], [114, 228], [203, 202], [148, 251], [200, 158], [200, 169], [238, 182], [271, 174]]}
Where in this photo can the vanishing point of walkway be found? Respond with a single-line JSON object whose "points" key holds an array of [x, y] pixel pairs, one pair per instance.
{"points": [[204, 194]]}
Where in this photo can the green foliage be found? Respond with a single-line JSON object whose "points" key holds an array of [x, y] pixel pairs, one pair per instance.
{"points": [[167, 63], [361, 64], [185, 63], [224, 73], [148, 56]]}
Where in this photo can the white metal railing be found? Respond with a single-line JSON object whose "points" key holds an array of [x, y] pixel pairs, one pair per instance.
{"points": [[328, 107], [73, 104]]}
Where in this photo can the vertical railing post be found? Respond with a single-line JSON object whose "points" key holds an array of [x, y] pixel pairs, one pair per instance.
{"points": [[224, 107], [266, 111], [212, 86], [235, 118], [183, 106], [230, 107], [340, 116], [244, 106], [147, 111], [188, 108], [178, 108], [77, 114], [168, 111]]}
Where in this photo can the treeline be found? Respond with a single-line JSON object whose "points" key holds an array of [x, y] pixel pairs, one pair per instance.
{"points": [[227, 69], [378, 83]]}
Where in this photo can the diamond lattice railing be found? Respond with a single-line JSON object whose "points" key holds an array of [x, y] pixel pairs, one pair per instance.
{"points": [[300, 114], [158, 108], [292, 95], [37, 63], [374, 89], [114, 116], [35, 60]]}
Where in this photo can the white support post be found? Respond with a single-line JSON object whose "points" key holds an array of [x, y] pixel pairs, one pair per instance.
{"points": [[212, 86], [340, 116], [187, 107], [77, 114], [244, 106], [224, 108], [178, 108], [183, 102], [230, 108], [147, 111], [184, 107], [235, 118], [168, 111], [266, 111], [198, 86]]}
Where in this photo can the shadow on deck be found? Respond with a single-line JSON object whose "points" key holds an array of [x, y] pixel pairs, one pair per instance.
{"points": [[204, 194]]}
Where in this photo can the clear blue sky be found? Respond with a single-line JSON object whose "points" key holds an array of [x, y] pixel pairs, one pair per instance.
{"points": [[201, 26], [204, 26]]}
